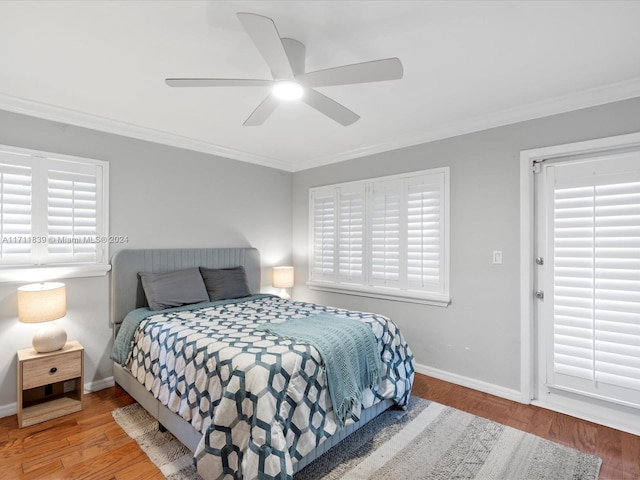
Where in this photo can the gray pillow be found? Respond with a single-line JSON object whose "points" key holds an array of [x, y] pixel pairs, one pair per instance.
{"points": [[225, 283], [173, 289]]}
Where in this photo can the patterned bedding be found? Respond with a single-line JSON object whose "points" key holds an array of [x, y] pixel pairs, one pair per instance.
{"points": [[259, 401]]}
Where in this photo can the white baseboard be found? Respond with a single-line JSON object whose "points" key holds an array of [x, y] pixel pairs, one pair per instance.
{"points": [[468, 382], [6, 410], [99, 385]]}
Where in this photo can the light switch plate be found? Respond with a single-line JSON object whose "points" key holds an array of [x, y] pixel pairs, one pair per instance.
{"points": [[497, 257]]}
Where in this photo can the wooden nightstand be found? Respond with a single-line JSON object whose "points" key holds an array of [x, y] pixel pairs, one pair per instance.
{"points": [[49, 384]]}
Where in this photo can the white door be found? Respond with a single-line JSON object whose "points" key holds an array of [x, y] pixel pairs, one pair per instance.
{"points": [[587, 274]]}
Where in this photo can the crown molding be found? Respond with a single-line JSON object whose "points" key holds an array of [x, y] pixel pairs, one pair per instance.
{"points": [[103, 124], [562, 104], [554, 106]]}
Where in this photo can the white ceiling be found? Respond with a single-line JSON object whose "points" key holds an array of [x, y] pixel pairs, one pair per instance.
{"points": [[467, 66]]}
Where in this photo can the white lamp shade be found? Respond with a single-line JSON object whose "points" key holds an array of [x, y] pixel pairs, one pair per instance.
{"points": [[41, 302], [44, 302], [282, 277]]}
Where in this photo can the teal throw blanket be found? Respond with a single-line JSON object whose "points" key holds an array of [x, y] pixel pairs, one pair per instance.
{"points": [[349, 350]]}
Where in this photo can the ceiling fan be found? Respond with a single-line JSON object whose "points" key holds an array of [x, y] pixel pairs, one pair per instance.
{"points": [[286, 59]]}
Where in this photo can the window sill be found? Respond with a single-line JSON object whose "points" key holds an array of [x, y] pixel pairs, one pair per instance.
{"points": [[51, 272], [409, 297]]}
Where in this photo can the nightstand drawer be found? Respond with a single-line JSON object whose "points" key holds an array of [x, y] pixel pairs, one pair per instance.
{"points": [[43, 371]]}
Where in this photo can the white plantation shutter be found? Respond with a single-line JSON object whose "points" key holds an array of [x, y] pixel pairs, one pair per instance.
{"points": [[596, 278], [53, 209], [15, 209], [386, 225], [425, 233], [351, 233], [383, 236], [323, 214], [72, 213]]}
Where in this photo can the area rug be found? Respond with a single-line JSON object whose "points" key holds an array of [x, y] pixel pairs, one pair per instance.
{"points": [[174, 460], [428, 441]]}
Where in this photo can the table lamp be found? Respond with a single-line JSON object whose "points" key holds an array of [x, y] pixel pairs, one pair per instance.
{"points": [[282, 277], [44, 302]]}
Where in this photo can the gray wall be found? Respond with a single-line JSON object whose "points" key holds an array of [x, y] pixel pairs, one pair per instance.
{"points": [[478, 335], [161, 197]]}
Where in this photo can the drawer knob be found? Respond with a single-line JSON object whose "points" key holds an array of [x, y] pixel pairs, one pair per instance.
{"points": [[53, 370]]}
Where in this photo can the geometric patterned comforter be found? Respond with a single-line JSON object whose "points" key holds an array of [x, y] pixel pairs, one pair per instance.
{"points": [[260, 401]]}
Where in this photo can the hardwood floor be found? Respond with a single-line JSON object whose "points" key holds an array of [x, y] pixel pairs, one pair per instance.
{"points": [[90, 445], [81, 446]]}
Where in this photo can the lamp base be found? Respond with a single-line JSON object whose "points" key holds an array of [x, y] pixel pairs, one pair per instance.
{"points": [[49, 338], [284, 294]]}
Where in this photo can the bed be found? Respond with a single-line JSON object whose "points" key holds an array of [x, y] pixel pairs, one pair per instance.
{"points": [[247, 403]]}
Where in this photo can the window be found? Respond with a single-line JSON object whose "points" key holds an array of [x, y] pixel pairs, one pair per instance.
{"points": [[53, 210], [384, 237]]}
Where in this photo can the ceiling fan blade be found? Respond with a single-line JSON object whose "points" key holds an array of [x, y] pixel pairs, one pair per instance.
{"points": [[262, 112], [374, 71], [330, 108], [217, 82], [265, 36]]}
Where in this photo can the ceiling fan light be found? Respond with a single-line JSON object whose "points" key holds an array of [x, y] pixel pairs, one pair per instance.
{"points": [[287, 90]]}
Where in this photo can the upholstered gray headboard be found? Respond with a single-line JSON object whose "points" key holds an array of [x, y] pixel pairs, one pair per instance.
{"points": [[126, 288]]}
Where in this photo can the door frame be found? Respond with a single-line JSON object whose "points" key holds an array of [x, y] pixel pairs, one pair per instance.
{"points": [[528, 160]]}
